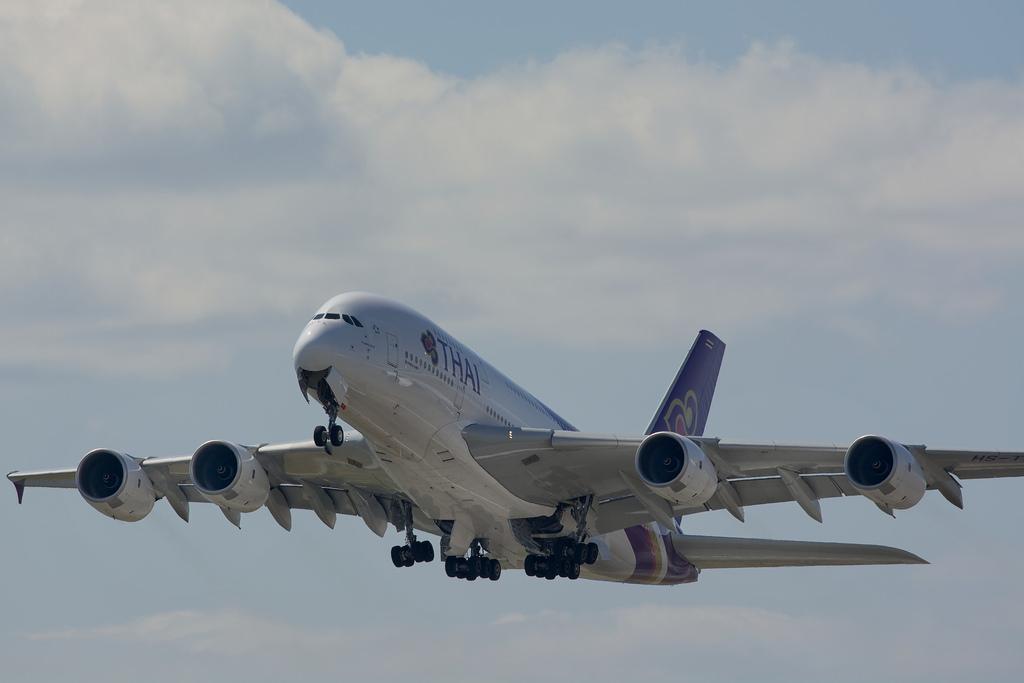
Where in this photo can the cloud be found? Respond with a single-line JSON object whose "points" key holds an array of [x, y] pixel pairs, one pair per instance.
{"points": [[726, 641], [169, 166]]}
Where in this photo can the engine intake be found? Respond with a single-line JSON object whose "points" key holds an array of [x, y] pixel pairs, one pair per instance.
{"points": [[227, 474], [676, 469], [885, 472], [115, 484]]}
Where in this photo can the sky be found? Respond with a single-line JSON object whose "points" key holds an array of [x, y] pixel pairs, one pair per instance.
{"points": [[573, 190]]}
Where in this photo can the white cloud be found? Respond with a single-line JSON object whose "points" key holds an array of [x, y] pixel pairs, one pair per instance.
{"points": [[173, 164], [727, 642]]}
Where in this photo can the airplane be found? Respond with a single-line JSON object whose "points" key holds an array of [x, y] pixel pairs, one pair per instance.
{"points": [[442, 443]]}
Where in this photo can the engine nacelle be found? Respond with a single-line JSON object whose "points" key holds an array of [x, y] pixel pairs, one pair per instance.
{"points": [[676, 469], [115, 484], [885, 472], [227, 474]]}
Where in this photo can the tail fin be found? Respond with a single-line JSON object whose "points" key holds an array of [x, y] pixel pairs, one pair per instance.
{"points": [[685, 407]]}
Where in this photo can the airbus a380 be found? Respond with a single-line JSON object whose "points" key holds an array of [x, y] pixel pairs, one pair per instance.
{"points": [[445, 445]]}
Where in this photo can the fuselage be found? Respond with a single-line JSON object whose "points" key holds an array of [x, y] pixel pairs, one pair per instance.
{"points": [[411, 388]]}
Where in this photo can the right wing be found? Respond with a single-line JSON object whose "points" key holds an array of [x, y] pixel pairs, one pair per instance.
{"points": [[550, 467]]}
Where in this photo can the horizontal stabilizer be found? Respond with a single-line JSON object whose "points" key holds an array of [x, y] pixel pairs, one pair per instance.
{"points": [[719, 552]]}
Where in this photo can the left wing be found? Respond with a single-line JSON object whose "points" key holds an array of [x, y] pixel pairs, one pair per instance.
{"points": [[550, 467], [302, 475]]}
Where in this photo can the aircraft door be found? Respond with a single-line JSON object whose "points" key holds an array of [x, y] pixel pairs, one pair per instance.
{"points": [[392, 350], [460, 394]]}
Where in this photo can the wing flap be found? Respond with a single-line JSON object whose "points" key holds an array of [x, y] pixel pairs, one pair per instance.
{"points": [[717, 552]]}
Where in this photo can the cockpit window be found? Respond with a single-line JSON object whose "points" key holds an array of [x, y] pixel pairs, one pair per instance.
{"points": [[350, 319]]}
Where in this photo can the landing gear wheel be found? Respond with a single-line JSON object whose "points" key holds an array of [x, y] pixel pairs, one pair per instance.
{"points": [[552, 569], [427, 550], [573, 570], [540, 565], [396, 556], [494, 570], [451, 566], [579, 553], [320, 436], [530, 565], [593, 553], [337, 435]]}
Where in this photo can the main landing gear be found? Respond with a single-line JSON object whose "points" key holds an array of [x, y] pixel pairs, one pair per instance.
{"points": [[566, 561], [413, 551], [409, 554], [474, 567], [332, 432]]}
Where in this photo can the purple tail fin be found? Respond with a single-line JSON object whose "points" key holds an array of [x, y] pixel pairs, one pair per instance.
{"points": [[686, 405]]}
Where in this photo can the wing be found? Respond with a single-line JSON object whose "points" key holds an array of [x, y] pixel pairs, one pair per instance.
{"points": [[549, 467], [345, 480]]}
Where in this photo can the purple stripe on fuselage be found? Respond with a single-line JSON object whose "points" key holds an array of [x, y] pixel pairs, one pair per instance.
{"points": [[654, 550], [643, 549]]}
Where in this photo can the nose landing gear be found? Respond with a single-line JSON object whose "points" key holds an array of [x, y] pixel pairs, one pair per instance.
{"points": [[333, 432]]}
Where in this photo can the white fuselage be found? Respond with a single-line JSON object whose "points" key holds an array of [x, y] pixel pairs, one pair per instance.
{"points": [[410, 388]]}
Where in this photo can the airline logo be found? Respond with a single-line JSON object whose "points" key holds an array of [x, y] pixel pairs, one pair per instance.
{"points": [[457, 362], [429, 345], [681, 415]]}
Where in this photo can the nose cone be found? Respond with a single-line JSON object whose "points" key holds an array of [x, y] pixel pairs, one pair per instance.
{"points": [[318, 358], [316, 348]]}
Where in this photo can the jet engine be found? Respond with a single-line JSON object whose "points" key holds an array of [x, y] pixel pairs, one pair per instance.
{"points": [[676, 469], [115, 484], [885, 472], [227, 474]]}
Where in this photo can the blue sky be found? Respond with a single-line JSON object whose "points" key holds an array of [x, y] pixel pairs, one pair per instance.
{"points": [[573, 191]]}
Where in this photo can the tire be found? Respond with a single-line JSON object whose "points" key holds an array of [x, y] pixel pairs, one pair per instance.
{"points": [[495, 570], [552, 571], [593, 553], [579, 553], [337, 435], [573, 571], [396, 556], [320, 436], [427, 551], [451, 566], [530, 565]]}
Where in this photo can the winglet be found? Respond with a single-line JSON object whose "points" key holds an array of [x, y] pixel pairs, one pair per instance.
{"points": [[685, 407], [19, 486]]}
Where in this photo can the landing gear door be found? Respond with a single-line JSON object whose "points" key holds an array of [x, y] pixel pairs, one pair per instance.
{"points": [[392, 350]]}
